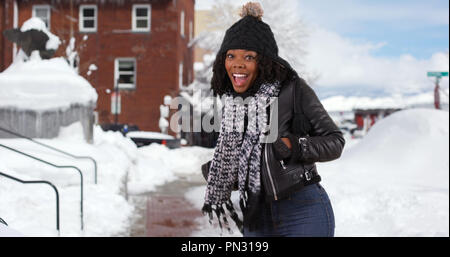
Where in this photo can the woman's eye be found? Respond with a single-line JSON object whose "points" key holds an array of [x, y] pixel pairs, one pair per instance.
{"points": [[229, 56], [250, 57]]}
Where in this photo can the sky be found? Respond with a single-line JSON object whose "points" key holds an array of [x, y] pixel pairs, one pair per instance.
{"points": [[373, 46], [419, 28]]}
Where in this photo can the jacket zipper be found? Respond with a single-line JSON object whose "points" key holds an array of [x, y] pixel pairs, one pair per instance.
{"points": [[270, 175]]}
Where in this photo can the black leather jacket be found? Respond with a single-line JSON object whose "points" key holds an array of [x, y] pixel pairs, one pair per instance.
{"points": [[323, 142]]}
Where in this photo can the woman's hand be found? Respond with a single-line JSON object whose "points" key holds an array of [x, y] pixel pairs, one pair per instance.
{"points": [[287, 142], [282, 148]]}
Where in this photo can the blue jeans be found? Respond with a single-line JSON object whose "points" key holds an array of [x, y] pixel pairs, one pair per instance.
{"points": [[306, 213]]}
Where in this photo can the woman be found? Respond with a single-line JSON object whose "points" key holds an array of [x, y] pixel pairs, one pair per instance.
{"points": [[248, 66]]}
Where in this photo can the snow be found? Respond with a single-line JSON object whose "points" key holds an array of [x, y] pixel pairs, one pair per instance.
{"points": [[148, 134], [31, 209], [392, 182], [49, 84], [9, 232], [161, 165], [91, 68], [395, 182], [343, 103]]}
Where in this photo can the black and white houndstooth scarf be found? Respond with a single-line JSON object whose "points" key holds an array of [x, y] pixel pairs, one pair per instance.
{"points": [[237, 155]]}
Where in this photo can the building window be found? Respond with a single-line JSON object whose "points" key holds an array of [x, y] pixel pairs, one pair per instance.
{"points": [[88, 18], [42, 12], [182, 23], [125, 73], [141, 17]]}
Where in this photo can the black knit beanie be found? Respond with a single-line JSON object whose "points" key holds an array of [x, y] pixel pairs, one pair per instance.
{"points": [[251, 33]]}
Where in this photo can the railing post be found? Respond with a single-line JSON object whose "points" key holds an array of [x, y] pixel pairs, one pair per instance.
{"points": [[56, 166], [40, 182], [54, 149]]}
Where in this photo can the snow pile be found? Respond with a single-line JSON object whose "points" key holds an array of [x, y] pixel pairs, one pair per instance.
{"points": [[43, 84], [393, 182], [343, 103], [166, 165], [31, 208], [122, 169]]}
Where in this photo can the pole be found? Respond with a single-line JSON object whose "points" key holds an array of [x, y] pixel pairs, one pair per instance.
{"points": [[71, 21], [437, 100], [116, 114]]}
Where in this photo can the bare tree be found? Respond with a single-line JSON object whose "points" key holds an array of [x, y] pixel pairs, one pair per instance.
{"points": [[291, 33]]}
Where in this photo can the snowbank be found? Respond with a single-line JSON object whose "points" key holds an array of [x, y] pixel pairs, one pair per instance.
{"points": [[343, 103], [31, 208], [166, 165], [43, 85], [393, 182], [123, 169]]}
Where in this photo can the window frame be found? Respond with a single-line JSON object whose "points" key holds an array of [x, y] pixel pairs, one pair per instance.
{"points": [[117, 73], [182, 23], [49, 13], [180, 75], [134, 18], [191, 30], [81, 18]]}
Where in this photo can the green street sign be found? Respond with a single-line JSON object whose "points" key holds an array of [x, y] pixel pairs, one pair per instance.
{"points": [[437, 74]]}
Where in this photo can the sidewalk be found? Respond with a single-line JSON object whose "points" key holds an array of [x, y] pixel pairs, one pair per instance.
{"points": [[165, 212], [170, 216]]}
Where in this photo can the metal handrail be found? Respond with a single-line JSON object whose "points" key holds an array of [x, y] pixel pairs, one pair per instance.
{"points": [[53, 148], [3, 221], [56, 166], [40, 182]]}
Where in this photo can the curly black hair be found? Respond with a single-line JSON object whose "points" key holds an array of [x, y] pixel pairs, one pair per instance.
{"points": [[269, 71]]}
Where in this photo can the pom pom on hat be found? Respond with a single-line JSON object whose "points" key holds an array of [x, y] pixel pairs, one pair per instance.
{"points": [[251, 33], [252, 9]]}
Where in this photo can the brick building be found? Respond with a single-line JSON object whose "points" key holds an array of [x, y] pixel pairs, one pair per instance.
{"points": [[139, 46]]}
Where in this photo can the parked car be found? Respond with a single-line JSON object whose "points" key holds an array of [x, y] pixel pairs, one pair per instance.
{"points": [[123, 128], [142, 138]]}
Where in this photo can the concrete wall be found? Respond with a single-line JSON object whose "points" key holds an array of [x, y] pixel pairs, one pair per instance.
{"points": [[46, 124]]}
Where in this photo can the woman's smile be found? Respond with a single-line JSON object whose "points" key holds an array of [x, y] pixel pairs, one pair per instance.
{"points": [[242, 68]]}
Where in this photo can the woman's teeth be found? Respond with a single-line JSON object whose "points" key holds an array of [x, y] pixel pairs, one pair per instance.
{"points": [[240, 79]]}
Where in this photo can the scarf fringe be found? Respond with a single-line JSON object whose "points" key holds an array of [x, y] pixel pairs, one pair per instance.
{"points": [[221, 215]]}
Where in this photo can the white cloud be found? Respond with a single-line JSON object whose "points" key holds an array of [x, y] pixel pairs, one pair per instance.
{"points": [[342, 62], [336, 13], [346, 63]]}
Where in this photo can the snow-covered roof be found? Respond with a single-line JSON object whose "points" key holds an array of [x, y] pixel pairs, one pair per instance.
{"points": [[43, 85]]}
